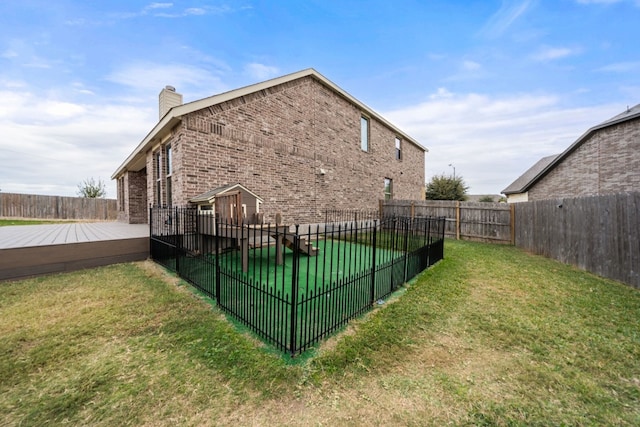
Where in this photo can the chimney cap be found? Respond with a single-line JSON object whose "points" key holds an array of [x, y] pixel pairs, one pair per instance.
{"points": [[171, 88]]}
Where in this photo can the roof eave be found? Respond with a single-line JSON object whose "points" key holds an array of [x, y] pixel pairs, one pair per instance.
{"points": [[172, 117], [574, 146]]}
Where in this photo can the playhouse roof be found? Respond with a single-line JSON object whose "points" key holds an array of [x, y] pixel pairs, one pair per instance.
{"points": [[210, 196]]}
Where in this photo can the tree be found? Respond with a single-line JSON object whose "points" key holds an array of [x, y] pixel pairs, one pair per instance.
{"points": [[486, 199], [91, 189], [443, 187]]}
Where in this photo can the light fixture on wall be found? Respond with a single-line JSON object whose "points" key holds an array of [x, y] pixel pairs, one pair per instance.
{"points": [[322, 171]]}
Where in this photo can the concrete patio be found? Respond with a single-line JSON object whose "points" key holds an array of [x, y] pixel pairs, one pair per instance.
{"points": [[31, 250]]}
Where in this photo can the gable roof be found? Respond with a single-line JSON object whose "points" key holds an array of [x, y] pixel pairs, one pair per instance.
{"points": [[546, 164], [519, 184], [137, 159], [210, 195]]}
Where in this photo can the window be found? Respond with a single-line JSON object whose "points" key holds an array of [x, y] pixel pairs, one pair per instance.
{"points": [[364, 133], [168, 159], [157, 175], [398, 148], [121, 193], [388, 189]]}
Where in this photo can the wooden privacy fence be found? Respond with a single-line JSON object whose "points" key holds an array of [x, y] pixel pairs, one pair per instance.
{"points": [[479, 221], [57, 207], [600, 234]]}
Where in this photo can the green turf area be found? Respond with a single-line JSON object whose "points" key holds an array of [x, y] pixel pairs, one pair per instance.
{"points": [[334, 261]]}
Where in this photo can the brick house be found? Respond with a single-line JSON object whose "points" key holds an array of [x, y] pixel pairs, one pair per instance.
{"points": [[604, 160], [299, 141]]}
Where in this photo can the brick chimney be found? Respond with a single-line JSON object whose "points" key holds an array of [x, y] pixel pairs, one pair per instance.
{"points": [[169, 98]]}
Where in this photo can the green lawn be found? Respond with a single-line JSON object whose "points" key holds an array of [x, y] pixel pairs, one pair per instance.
{"points": [[489, 336]]}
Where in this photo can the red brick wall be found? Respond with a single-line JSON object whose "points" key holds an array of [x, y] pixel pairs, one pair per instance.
{"points": [[135, 198], [607, 162], [275, 142]]}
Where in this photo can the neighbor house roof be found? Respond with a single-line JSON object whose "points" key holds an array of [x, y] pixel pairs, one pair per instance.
{"points": [[519, 184], [543, 166], [209, 196], [137, 159]]}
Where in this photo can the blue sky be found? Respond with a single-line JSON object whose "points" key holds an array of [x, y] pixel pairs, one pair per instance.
{"points": [[489, 87]]}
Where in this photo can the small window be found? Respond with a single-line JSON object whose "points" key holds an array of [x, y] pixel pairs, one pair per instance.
{"points": [[388, 189], [169, 160], [398, 148], [121, 193], [364, 133], [157, 172]]}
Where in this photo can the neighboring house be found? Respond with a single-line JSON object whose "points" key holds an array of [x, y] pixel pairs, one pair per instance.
{"points": [[298, 141], [516, 192], [604, 160]]}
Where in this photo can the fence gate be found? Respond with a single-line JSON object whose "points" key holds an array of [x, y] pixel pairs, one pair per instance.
{"points": [[229, 208]]}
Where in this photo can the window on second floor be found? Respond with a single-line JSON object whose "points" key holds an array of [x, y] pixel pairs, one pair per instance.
{"points": [[364, 133], [398, 148]]}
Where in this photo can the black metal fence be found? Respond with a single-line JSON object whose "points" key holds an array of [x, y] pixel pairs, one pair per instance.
{"points": [[350, 215], [294, 288]]}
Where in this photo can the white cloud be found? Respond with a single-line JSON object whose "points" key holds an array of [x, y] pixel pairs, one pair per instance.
{"points": [[505, 17], [261, 71], [167, 10], [9, 53], [598, 1], [152, 77], [608, 2], [153, 6], [492, 140], [50, 145], [471, 65], [621, 67], [549, 53]]}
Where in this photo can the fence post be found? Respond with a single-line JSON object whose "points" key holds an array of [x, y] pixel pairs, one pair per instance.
{"points": [[406, 246], [177, 239], [151, 231], [216, 244], [512, 211], [457, 220], [373, 263], [294, 293]]}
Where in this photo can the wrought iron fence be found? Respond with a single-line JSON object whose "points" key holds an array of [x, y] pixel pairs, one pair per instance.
{"points": [[350, 215], [292, 288]]}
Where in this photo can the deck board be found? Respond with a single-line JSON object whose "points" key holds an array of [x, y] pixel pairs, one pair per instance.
{"points": [[32, 250], [20, 236]]}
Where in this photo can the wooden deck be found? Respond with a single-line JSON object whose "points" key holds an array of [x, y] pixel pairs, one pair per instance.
{"points": [[31, 250]]}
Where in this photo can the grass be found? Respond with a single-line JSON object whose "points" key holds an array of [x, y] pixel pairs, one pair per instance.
{"points": [[489, 336]]}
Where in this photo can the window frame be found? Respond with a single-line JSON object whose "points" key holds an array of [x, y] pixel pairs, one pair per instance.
{"points": [[157, 171], [398, 142], [388, 184], [365, 133], [169, 170]]}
